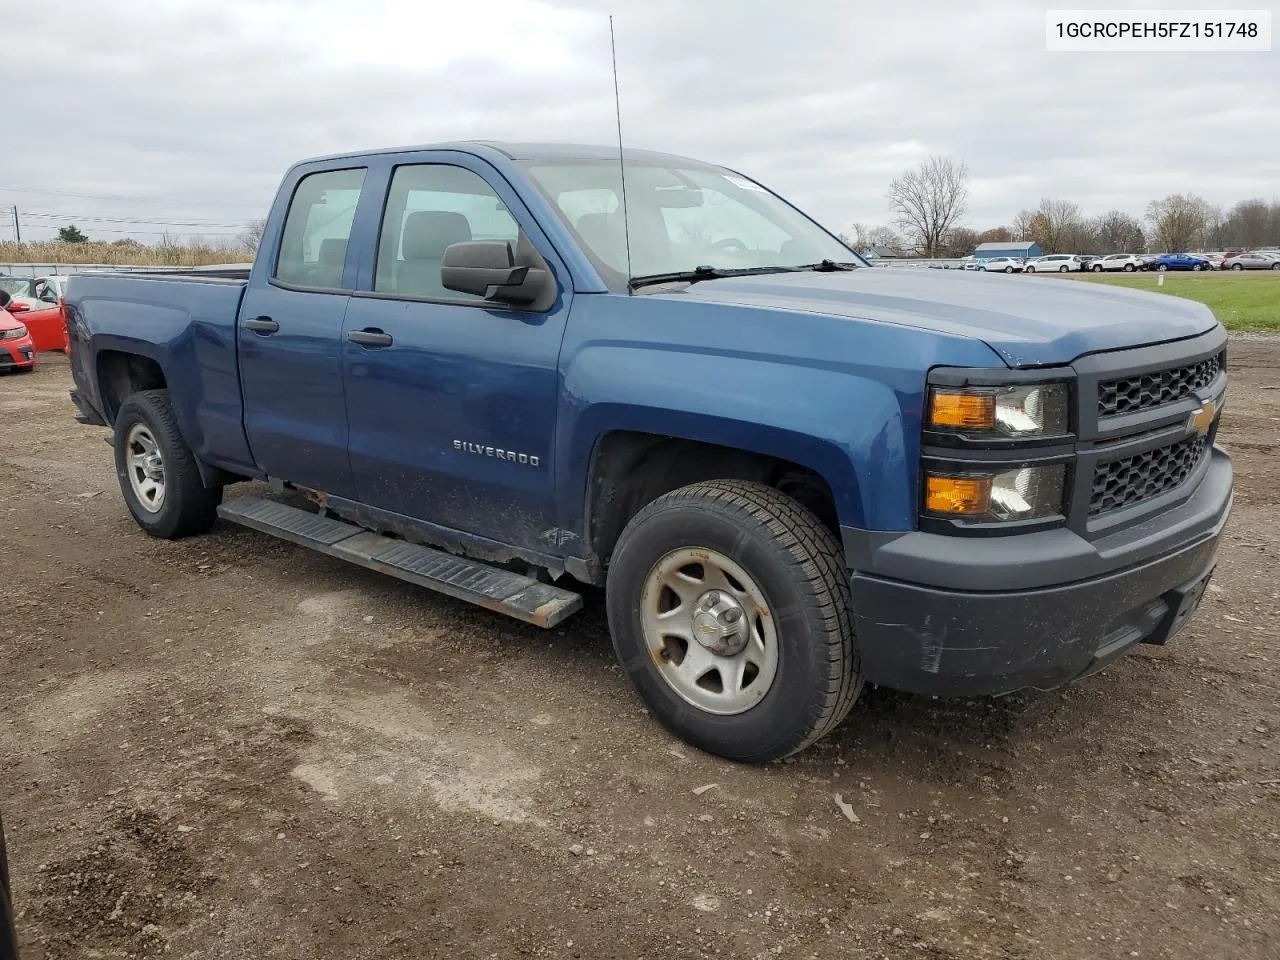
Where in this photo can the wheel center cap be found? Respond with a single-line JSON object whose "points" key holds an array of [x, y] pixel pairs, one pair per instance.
{"points": [[153, 467], [719, 623]]}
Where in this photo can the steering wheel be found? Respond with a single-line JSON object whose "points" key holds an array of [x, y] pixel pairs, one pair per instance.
{"points": [[729, 245]]}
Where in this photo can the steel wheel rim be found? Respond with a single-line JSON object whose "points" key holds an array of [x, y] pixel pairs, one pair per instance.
{"points": [[687, 619], [145, 466]]}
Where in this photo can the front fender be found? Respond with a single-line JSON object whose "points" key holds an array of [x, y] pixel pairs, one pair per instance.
{"points": [[841, 397]]}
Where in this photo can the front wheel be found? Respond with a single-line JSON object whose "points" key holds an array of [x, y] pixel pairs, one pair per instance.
{"points": [[1031, 269], [1128, 268], [157, 470], [1063, 269], [1163, 268], [1237, 266], [1008, 269], [730, 612], [1097, 269], [1276, 266]]}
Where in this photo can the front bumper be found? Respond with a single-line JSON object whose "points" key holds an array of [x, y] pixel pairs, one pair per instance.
{"points": [[925, 635], [17, 354]]}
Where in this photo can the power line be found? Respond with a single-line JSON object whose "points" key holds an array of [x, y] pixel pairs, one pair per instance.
{"points": [[99, 196], [141, 220]]}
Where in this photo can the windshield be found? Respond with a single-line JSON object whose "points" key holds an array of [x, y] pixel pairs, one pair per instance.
{"points": [[680, 218], [15, 286]]}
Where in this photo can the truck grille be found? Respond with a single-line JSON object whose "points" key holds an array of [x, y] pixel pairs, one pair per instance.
{"points": [[1141, 392], [1120, 483]]}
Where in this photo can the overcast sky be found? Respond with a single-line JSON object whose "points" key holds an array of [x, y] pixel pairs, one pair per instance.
{"points": [[187, 110]]}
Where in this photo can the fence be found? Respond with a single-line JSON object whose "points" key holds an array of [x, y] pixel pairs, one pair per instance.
{"points": [[67, 269]]}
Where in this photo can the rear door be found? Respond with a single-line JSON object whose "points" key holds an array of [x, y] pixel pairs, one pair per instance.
{"points": [[290, 334], [452, 406]]}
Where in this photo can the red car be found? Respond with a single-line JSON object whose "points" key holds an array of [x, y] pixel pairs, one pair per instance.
{"points": [[17, 352], [38, 303]]}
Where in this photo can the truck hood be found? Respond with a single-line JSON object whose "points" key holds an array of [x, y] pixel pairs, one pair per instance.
{"points": [[1029, 321]]}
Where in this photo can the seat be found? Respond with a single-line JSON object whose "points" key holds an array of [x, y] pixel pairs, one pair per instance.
{"points": [[605, 235], [329, 262], [423, 239]]}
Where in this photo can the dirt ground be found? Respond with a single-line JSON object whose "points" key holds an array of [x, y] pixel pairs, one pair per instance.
{"points": [[228, 747]]}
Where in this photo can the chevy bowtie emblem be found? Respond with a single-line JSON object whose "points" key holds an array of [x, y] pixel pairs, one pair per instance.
{"points": [[1201, 420]]}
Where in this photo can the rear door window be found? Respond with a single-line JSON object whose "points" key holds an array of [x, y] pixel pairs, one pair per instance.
{"points": [[313, 247]]}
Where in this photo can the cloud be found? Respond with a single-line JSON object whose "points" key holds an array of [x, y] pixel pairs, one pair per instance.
{"points": [[192, 111]]}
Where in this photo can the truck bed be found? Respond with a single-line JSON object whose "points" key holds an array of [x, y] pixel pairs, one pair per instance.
{"points": [[186, 322]]}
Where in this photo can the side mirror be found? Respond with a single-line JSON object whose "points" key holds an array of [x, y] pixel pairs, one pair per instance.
{"points": [[488, 268], [17, 306]]}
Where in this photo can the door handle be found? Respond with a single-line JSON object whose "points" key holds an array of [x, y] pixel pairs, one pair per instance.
{"points": [[263, 325], [370, 337]]}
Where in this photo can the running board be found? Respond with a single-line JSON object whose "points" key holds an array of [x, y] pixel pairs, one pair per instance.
{"points": [[542, 604]]}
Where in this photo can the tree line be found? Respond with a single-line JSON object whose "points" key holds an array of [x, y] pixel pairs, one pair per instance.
{"points": [[927, 203]]}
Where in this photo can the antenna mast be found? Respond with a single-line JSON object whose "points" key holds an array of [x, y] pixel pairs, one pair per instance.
{"points": [[622, 173]]}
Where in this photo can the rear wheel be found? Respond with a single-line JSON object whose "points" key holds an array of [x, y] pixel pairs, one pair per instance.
{"points": [[157, 470], [730, 611], [1276, 265]]}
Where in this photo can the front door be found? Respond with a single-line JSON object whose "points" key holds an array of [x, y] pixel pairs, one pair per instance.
{"points": [[451, 399], [290, 336]]}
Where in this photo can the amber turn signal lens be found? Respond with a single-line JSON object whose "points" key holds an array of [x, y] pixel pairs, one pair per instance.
{"points": [[964, 411], [962, 496]]}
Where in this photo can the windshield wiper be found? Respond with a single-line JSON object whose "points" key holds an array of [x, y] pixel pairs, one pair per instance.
{"points": [[828, 266], [704, 273]]}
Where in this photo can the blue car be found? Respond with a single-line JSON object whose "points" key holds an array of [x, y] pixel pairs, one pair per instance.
{"points": [[1180, 261]]}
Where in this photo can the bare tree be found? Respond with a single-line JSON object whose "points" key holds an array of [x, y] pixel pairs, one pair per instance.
{"points": [[961, 242], [1179, 221], [1119, 232], [884, 237], [1248, 224], [1021, 226], [928, 201], [1056, 225], [252, 236], [997, 235]]}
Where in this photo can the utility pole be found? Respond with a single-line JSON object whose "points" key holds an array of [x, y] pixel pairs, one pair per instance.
{"points": [[17, 227]]}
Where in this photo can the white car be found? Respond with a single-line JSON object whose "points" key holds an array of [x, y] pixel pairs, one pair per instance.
{"points": [[1055, 263], [1003, 265], [1128, 262]]}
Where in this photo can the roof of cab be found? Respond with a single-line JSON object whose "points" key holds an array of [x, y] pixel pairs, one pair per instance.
{"points": [[530, 151]]}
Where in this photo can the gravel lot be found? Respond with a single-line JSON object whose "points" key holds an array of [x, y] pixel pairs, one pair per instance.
{"points": [[228, 747]]}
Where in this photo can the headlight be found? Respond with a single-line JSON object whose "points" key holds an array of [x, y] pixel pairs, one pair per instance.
{"points": [[1025, 493], [1024, 410], [17, 333]]}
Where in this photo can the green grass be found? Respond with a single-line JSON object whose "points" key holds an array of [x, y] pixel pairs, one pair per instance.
{"points": [[1242, 300]]}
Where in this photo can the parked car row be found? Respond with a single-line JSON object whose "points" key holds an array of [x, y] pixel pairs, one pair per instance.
{"points": [[1129, 262]]}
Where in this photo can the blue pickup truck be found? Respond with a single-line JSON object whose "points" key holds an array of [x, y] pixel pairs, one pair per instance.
{"points": [[489, 370]]}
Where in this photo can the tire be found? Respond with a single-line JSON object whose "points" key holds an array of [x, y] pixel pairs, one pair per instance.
{"points": [[1237, 266], [1097, 269], [1064, 269], [1008, 269], [1163, 268], [793, 561], [1129, 268], [1275, 266], [185, 506], [1031, 270]]}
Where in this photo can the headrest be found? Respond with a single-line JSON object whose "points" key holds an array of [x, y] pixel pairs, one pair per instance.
{"points": [[333, 251], [605, 235], [427, 232]]}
